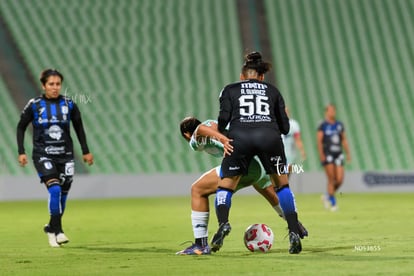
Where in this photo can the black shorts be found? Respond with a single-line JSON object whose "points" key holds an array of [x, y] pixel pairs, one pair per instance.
{"points": [[49, 168], [266, 143], [336, 158]]}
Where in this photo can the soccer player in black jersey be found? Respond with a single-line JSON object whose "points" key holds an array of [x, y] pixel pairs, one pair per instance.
{"points": [[331, 141], [53, 158], [255, 112]]}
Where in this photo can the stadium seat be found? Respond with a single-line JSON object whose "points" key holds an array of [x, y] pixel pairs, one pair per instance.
{"points": [[148, 64]]}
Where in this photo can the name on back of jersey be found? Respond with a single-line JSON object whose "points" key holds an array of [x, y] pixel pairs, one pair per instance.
{"points": [[253, 103]]}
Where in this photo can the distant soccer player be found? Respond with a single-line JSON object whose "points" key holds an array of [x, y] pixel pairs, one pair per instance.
{"points": [[53, 157], [255, 111], [204, 136], [331, 140], [293, 143]]}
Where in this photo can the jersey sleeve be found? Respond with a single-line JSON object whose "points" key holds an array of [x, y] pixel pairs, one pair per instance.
{"points": [[25, 118], [342, 127], [225, 110], [281, 116], [320, 127], [79, 129]]}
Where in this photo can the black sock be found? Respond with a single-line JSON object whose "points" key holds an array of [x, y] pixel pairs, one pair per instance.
{"points": [[222, 214], [292, 221], [55, 223], [223, 204], [201, 241]]}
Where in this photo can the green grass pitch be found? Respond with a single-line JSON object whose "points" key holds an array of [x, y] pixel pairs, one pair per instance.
{"points": [[371, 234]]}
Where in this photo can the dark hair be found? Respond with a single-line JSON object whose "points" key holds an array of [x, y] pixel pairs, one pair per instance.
{"points": [[254, 61], [189, 124], [49, 72]]}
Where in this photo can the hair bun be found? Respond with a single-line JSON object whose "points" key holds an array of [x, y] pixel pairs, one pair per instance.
{"points": [[254, 57], [254, 61]]}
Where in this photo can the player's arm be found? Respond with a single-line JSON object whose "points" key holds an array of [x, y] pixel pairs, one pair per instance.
{"points": [[225, 111], [319, 141], [212, 132], [299, 144], [346, 147], [25, 118], [281, 116], [80, 133]]}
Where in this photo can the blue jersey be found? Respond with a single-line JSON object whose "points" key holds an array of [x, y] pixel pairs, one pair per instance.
{"points": [[51, 127], [332, 136]]}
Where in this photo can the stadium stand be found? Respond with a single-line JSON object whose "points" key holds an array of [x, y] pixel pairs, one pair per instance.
{"points": [[8, 150], [357, 55], [136, 68]]}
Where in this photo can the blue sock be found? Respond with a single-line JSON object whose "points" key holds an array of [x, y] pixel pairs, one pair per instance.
{"points": [[223, 204], [332, 199], [288, 204], [286, 200], [54, 199]]}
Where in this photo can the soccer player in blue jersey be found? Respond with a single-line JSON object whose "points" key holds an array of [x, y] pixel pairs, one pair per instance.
{"points": [[53, 158], [255, 113], [331, 141], [204, 136]]}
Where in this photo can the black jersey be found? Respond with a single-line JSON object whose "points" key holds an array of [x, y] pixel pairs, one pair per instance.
{"points": [[51, 127], [252, 103], [332, 136], [256, 113]]}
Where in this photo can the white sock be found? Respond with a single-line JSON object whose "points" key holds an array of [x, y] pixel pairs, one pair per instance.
{"points": [[279, 211], [199, 220]]}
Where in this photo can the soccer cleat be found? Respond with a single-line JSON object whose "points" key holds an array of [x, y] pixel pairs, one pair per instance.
{"points": [[326, 202], [295, 245], [50, 236], [302, 230], [334, 208], [61, 238], [195, 249], [52, 240], [217, 240]]}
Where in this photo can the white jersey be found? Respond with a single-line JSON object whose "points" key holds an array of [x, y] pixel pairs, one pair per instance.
{"points": [[291, 151], [207, 144]]}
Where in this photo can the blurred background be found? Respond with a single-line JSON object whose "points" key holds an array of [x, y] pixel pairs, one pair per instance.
{"points": [[137, 67]]}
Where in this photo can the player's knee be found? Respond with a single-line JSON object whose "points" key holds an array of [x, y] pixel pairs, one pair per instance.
{"points": [[66, 183], [50, 181], [201, 192], [331, 177], [338, 182]]}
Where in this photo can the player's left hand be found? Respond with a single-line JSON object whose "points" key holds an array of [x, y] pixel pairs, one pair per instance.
{"points": [[88, 158], [22, 160], [228, 148]]}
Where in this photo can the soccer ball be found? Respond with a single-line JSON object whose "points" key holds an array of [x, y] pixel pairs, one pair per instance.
{"points": [[258, 237]]}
